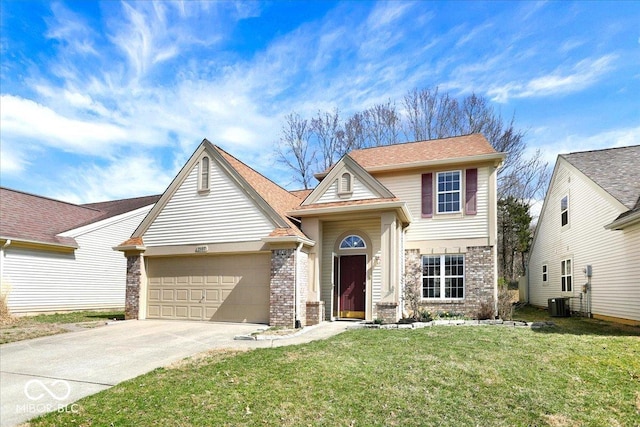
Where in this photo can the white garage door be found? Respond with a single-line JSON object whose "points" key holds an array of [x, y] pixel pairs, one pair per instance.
{"points": [[225, 288]]}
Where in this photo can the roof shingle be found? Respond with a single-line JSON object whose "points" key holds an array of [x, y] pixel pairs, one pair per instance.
{"points": [[616, 170], [423, 151], [39, 219], [277, 197]]}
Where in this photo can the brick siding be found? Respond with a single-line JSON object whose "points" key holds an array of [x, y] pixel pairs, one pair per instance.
{"points": [[479, 281], [282, 291], [315, 312], [132, 293]]}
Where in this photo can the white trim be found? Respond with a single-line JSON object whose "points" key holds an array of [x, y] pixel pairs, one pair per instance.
{"points": [[437, 192], [75, 232], [443, 277], [566, 274]]}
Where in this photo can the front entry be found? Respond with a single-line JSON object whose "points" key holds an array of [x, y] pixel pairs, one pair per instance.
{"points": [[353, 279]]}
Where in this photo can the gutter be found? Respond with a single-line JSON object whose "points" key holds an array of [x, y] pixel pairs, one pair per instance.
{"points": [[620, 223]]}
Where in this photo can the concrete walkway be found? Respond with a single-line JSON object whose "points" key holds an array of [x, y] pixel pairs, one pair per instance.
{"points": [[50, 373]]}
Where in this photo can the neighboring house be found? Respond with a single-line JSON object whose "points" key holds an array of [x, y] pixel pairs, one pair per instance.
{"points": [[224, 243], [58, 256], [589, 234]]}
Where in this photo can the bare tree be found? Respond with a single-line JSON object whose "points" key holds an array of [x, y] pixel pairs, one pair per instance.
{"points": [[381, 125], [330, 138], [354, 132], [295, 150], [431, 114]]}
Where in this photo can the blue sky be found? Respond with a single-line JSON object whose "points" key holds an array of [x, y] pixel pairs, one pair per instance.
{"points": [[105, 100]]}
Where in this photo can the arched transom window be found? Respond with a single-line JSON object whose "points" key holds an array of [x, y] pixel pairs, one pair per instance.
{"points": [[352, 242]]}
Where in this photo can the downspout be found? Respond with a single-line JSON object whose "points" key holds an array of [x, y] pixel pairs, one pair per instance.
{"points": [[296, 297], [6, 243]]}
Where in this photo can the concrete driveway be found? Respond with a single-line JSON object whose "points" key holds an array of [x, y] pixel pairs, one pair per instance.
{"points": [[50, 373]]}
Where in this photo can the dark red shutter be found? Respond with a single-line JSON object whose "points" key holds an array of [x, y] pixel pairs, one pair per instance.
{"points": [[471, 191], [427, 195]]}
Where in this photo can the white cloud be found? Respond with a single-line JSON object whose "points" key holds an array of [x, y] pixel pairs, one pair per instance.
{"points": [[11, 162], [582, 75], [126, 177], [612, 138], [24, 118]]}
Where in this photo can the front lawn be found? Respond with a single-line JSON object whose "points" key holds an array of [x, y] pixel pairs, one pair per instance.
{"points": [[27, 327], [576, 374]]}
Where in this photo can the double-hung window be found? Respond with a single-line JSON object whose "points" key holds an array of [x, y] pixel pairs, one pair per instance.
{"points": [[443, 276], [449, 191], [564, 210], [566, 275], [545, 273]]}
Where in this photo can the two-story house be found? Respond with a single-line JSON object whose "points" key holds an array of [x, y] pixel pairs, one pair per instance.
{"points": [[587, 243], [224, 243]]}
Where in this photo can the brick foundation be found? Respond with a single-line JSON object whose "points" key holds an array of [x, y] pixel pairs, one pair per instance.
{"points": [[282, 291], [132, 293], [315, 312], [387, 311], [479, 281]]}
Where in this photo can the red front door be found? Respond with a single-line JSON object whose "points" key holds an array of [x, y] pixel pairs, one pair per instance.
{"points": [[353, 277]]}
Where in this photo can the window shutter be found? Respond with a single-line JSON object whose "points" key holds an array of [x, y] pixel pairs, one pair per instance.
{"points": [[471, 191], [427, 195]]}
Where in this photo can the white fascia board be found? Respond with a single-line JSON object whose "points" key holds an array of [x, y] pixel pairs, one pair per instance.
{"points": [[401, 206], [75, 232]]}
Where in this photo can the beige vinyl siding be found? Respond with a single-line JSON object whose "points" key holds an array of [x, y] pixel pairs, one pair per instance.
{"points": [[613, 255], [93, 277], [224, 214], [331, 232], [407, 187], [360, 192]]}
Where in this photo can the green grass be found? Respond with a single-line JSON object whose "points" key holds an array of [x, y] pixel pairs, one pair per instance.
{"points": [[580, 373], [77, 317]]}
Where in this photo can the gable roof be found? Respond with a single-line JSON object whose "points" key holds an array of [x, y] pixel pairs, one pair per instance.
{"points": [[277, 197], [37, 219], [615, 170], [347, 164], [273, 200], [420, 153]]}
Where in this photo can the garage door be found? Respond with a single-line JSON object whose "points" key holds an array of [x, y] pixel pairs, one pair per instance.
{"points": [[225, 288]]}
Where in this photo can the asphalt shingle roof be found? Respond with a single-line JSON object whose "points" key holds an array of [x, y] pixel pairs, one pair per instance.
{"points": [[423, 151], [28, 217], [616, 170], [277, 197]]}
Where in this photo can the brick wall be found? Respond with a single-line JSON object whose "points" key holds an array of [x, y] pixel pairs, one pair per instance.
{"points": [[387, 311], [479, 280], [315, 312], [132, 293], [282, 299]]}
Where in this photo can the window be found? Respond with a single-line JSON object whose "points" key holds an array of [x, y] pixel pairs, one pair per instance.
{"points": [[564, 210], [352, 242], [567, 276], [345, 183], [449, 192], [545, 273], [443, 276], [204, 174]]}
